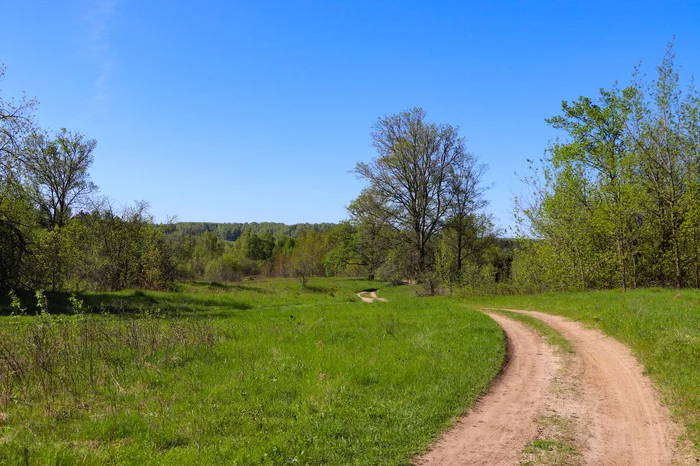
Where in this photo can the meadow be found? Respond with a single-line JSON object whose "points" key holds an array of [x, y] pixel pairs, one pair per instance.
{"points": [[261, 372], [661, 326]]}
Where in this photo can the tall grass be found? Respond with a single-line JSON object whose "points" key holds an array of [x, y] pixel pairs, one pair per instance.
{"points": [[59, 363]]}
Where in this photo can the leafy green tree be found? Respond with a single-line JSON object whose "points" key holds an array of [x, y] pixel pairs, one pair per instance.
{"points": [[19, 243], [665, 135], [258, 247], [118, 250], [341, 257], [620, 194], [226, 268], [308, 256], [281, 263], [599, 153], [372, 235], [206, 248], [57, 172]]}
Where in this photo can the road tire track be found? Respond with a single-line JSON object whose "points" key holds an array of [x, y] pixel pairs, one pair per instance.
{"points": [[629, 425]]}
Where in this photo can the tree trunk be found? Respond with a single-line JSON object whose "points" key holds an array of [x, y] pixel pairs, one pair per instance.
{"points": [[459, 252], [676, 263], [581, 271], [621, 258]]}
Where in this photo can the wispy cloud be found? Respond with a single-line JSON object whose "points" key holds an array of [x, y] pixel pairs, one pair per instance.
{"points": [[99, 18]]}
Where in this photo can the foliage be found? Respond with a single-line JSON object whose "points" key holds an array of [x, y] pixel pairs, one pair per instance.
{"points": [[17, 220], [232, 231], [57, 174], [308, 255], [616, 201], [421, 178], [44, 242], [120, 250]]}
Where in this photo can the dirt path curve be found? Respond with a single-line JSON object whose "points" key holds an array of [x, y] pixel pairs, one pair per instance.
{"points": [[596, 406], [503, 421], [629, 426], [370, 297]]}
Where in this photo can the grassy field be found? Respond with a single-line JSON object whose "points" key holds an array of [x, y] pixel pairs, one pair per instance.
{"points": [[264, 372], [661, 326]]}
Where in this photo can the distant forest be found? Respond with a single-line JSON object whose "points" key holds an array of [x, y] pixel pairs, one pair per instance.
{"points": [[232, 231]]}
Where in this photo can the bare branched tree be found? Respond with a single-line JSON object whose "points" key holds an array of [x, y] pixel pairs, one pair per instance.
{"points": [[413, 177], [467, 189]]}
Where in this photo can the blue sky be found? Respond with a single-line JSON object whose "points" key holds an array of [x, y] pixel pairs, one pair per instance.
{"points": [[256, 111]]}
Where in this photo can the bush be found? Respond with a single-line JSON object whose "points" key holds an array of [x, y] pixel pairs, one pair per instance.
{"points": [[224, 269]]}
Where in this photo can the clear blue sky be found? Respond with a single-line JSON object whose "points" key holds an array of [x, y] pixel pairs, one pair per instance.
{"points": [[256, 111]]}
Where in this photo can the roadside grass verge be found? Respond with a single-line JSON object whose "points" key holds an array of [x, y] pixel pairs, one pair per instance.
{"points": [[661, 326], [552, 337], [266, 372]]}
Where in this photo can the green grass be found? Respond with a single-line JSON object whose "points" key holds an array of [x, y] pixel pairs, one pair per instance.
{"points": [[661, 326], [264, 372], [553, 337]]}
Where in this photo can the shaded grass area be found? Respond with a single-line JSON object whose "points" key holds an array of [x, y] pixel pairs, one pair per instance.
{"points": [[553, 337], [261, 373], [202, 297], [661, 326]]}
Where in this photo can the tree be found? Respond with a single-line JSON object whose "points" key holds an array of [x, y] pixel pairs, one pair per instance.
{"points": [[57, 171], [561, 215], [665, 135], [620, 194], [307, 257], [599, 156], [17, 219], [466, 226], [119, 250], [411, 178], [372, 236], [257, 247]]}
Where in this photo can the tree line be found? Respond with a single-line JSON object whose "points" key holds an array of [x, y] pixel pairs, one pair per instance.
{"points": [[232, 231], [615, 203], [618, 200], [58, 233]]}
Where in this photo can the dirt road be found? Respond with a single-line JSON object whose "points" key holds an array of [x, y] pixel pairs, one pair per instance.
{"points": [[503, 421], [370, 296], [593, 406]]}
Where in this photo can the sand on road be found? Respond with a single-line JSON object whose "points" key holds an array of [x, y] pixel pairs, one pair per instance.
{"points": [[370, 297]]}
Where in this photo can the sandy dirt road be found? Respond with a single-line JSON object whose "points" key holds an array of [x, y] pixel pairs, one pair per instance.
{"points": [[495, 431], [370, 297], [594, 406]]}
